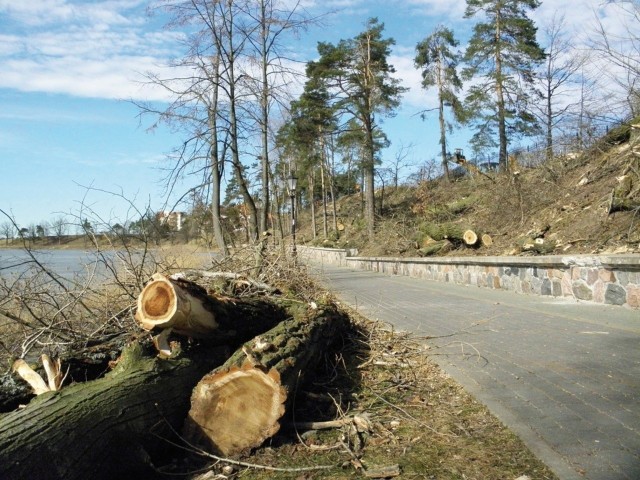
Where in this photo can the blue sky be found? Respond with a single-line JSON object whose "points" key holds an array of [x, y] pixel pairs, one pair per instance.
{"points": [[68, 133]]}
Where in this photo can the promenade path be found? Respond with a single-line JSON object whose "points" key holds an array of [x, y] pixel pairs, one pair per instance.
{"points": [[564, 376]]}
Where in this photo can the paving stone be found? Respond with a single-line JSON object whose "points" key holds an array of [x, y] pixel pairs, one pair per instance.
{"points": [[568, 372]]}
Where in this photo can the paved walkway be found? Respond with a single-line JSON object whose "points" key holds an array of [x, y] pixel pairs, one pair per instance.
{"points": [[564, 376]]}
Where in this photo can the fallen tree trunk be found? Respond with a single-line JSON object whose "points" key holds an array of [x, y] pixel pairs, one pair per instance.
{"points": [[239, 405], [188, 309], [109, 428], [436, 248], [456, 234]]}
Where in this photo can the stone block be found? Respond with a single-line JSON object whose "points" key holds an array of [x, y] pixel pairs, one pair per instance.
{"points": [[633, 296], [598, 292], [623, 278], [606, 275], [575, 273], [567, 287], [592, 276], [536, 285], [556, 288], [615, 294], [581, 290], [557, 273], [546, 288]]}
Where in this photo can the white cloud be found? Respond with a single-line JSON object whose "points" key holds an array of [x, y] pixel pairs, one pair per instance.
{"points": [[80, 48], [449, 9], [416, 98]]}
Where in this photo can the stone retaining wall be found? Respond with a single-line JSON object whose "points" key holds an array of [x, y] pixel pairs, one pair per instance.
{"points": [[610, 279]]}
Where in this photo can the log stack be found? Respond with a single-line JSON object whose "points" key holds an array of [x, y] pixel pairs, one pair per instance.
{"points": [[117, 426]]}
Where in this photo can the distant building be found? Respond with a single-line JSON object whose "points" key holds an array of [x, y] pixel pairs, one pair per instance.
{"points": [[175, 220]]}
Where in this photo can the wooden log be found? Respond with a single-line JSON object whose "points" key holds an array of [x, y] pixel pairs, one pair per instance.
{"points": [[457, 234], [486, 240], [113, 427], [188, 309], [166, 303], [239, 405], [470, 238], [436, 248]]}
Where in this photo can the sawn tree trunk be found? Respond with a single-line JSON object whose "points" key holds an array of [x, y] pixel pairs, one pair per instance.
{"points": [[239, 404]]}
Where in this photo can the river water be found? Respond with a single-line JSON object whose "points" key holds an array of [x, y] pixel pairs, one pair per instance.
{"points": [[66, 263]]}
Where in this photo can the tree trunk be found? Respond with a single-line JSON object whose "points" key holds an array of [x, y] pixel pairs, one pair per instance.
{"points": [[312, 203], [325, 229], [239, 404], [187, 308], [443, 127], [114, 427], [502, 115], [454, 233], [216, 165], [436, 247]]}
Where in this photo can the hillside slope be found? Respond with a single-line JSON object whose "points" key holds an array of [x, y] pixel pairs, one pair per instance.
{"points": [[564, 204]]}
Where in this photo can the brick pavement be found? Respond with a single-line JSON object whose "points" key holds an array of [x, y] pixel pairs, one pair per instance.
{"points": [[564, 376]]}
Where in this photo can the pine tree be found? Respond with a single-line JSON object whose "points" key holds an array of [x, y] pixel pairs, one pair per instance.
{"points": [[359, 74], [438, 61], [503, 51]]}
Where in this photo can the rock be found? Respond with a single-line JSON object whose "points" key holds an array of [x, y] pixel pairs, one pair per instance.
{"points": [[581, 290], [615, 295]]}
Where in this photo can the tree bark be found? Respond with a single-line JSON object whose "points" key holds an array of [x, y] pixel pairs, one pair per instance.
{"points": [[436, 247], [239, 404], [113, 427]]}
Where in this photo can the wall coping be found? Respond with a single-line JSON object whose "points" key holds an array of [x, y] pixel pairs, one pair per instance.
{"points": [[626, 261]]}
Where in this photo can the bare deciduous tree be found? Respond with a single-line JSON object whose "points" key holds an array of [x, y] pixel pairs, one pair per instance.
{"points": [[59, 225], [621, 50], [7, 230], [556, 80]]}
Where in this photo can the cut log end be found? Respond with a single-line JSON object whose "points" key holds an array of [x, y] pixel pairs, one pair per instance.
{"points": [[236, 409], [470, 237], [166, 303], [157, 303]]}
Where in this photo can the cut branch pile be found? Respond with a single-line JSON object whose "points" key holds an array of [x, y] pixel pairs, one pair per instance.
{"points": [[117, 426]]}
